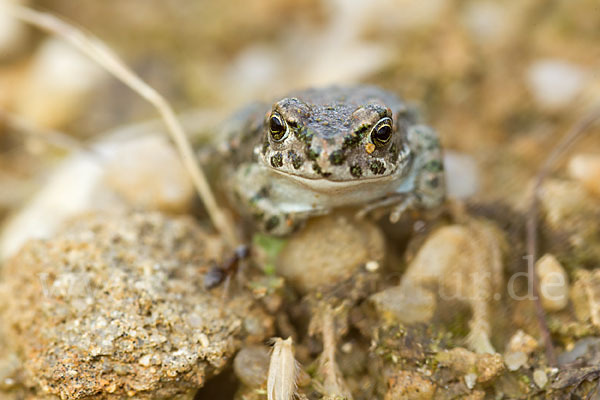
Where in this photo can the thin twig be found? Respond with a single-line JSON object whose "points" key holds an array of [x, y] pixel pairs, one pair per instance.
{"points": [[559, 150], [100, 53]]}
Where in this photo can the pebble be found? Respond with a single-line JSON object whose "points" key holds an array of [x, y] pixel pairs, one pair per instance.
{"points": [[407, 304], [329, 250], [132, 173], [60, 81], [540, 378], [515, 360], [586, 169], [470, 380], [14, 34], [554, 284], [522, 342], [555, 83], [583, 347], [462, 175], [251, 365], [487, 21]]}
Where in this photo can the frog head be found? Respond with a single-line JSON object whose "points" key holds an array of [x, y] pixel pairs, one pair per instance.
{"points": [[335, 137]]}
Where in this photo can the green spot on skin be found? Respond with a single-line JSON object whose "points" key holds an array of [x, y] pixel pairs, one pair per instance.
{"points": [[434, 166], [295, 159], [356, 171], [265, 147], [277, 160], [377, 167], [337, 157], [351, 140], [317, 168], [305, 135], [312, 154], [394, 153]]}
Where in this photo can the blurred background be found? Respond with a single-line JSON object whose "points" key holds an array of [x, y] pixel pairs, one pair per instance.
{"points": [[500, 80]]}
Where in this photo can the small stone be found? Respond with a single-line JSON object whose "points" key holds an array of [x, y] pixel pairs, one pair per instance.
{"points": [[521, 342], [462, 175], [582, 348], [372, 266], [60, 82], [487, 21], [554, 285], [251, 365], [555, 83], [145, 361], [515, 360], [586, 169], [329, 250], [14, 34], [470, 380], [540, 378], [407, 304], [132, 173]]}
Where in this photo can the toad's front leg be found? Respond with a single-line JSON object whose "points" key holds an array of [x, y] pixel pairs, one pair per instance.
{"points": [[255, 193]]}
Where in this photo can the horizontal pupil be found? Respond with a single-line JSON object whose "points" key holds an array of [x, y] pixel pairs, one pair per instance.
{"points": [[276, 125], [384, 132]]}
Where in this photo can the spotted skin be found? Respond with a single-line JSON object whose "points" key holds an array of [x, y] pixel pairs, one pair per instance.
{"points": [[331, 155]]}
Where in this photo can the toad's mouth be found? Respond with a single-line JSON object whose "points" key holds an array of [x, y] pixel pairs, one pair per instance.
{"points": [[320, 180]]}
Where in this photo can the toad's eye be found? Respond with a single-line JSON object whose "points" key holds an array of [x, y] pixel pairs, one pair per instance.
{"points": [[382, 132], [277, 127]]}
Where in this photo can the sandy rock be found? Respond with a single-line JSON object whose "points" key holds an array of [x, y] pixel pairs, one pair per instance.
{"points": [[586, 169], [462, 362], [555, 83], [60, 81], [114, 307], [329, 250], [554, 283], [409, 385]]}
